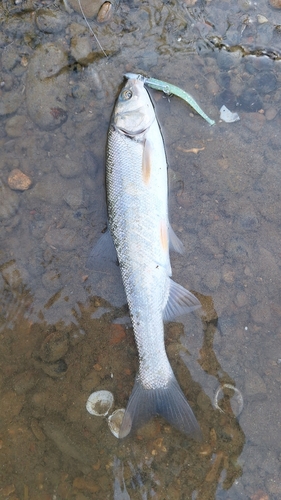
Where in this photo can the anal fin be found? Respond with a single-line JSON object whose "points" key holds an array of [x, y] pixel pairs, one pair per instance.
{"points": [[180, 301], [174, 242]]}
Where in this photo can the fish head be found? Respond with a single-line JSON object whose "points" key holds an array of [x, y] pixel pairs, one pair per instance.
{"points": [[133, 113]]}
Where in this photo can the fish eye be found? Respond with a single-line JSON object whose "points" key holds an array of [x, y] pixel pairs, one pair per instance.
{"points": [[126, 95]]}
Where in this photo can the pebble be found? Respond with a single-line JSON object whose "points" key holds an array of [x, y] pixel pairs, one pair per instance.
{"points": [[237, 249], [253, 121], [261, 313], [91, 381], [270, 114], [16, 125], [74, 446], [264, 82], [74, 198], [24, 381], [275, 3], [6, 81], [241, 299], [63, 239], [19, 181], [228, 99], [51, 280], [54, 347], [9, 57], [254, 384], [69, 168], [11, 405], [47, 86], [9, 202], [248, 222], [10, 102], [14, 275], [53, 370], [273, 485], [250, 100], [51, 21], [212, 279], [227, 60], [90, 7], [85, 484], [81, 49]]}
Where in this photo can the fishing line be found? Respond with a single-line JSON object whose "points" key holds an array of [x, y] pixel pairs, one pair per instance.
{"points": [[95, 36]]}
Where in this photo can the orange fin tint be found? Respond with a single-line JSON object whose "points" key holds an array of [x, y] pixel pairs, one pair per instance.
{"points": [[146, 162]]}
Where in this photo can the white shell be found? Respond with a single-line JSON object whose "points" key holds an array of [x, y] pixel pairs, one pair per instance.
{"points": [[227, 116], [115, 421], [99, 403]]}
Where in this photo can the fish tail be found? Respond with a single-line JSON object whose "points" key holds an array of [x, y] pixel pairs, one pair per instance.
{"points": [[168, 401]]}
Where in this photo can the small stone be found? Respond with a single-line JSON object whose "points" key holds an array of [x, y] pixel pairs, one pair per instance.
{"points": [[259, 495], [56, 369], [54, 347], [117, 334], [274, 486], [74, 198], [51, 21], [6, 81], [51, 280], [15, 126], [81, 49], [91, 382], [261, 313], [254, 384], [270, 114], [250, 100], [19, 181], [10, 102], [9, 57], [11, 405], [14, 275], [254, 121], [69, 168], [85, 484], [64, 239], [241, 299], [212, 279], [90, 7], [227, 60], [23, 382], [275, 3], [264, 82]]}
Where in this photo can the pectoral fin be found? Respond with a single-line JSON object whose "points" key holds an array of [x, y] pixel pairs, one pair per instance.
{"points": [[146, 162]]}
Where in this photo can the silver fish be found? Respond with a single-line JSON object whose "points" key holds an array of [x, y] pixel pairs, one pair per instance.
{"points": [[137, 196]]}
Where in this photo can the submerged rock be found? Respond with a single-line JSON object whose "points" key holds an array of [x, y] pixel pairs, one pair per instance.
{"points": [[51, 21], [9, 202], [46, 86]]}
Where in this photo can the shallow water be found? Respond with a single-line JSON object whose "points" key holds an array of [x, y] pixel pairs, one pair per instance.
{"points": [[59, 336]]}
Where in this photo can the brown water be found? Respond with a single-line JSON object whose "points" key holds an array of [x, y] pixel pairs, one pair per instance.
{"points": [[58, 338]]}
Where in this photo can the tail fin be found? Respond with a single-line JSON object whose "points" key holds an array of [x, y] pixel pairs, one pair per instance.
{"points": [[168, 401]]}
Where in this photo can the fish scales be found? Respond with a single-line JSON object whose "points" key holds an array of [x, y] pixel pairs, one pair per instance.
{"points": [[137, 197]]}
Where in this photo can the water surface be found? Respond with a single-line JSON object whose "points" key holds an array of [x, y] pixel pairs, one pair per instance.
{"points": [[59, 338]]}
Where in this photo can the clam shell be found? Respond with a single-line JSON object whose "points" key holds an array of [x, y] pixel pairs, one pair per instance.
{"points": [[115, 421], [99, 403]]}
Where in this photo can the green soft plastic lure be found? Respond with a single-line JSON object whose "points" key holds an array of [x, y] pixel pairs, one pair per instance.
{"points": [[170, 89]]}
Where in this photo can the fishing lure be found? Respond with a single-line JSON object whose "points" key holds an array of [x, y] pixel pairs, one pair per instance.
{"points": [[170, 89]]}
